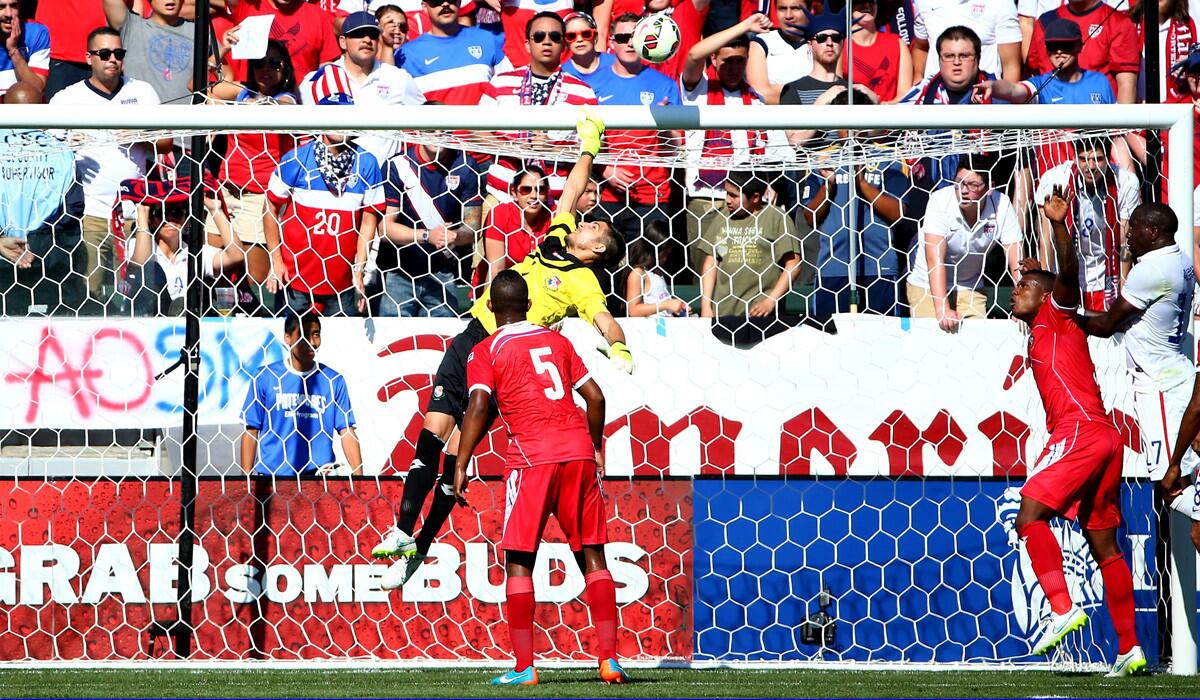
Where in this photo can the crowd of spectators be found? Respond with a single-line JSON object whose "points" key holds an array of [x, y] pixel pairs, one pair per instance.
{"points": [[370, 225]]}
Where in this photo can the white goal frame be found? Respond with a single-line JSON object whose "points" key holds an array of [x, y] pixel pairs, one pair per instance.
{"points": [[1177, 120]]}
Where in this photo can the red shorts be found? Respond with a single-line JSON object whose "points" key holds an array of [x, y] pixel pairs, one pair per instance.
{"points": [[571, 491], [1079, 474]]}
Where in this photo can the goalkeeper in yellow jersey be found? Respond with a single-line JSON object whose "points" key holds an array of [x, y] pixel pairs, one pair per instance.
{"points": [[561, 284]]}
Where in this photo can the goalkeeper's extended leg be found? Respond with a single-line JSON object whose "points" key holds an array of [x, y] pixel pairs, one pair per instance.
{"points": [[421, 477]]}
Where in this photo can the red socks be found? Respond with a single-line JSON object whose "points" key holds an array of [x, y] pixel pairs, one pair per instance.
{"points": [[1118, 589], [519, 611], [601, 596], [1045, 554]]}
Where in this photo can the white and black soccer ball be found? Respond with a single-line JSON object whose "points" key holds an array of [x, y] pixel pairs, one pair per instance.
{"points": [[656, 37]]}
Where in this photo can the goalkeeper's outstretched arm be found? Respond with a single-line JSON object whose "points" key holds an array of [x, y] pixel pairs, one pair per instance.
{"points": [[590, 130]]}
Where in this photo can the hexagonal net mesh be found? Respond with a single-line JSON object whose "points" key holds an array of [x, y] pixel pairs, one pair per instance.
{"points": [[806, 465]]}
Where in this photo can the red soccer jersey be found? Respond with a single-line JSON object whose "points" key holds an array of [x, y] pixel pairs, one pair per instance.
{"points": [[69, 22], [1063, 369], [531, 371], [1110, 42]]}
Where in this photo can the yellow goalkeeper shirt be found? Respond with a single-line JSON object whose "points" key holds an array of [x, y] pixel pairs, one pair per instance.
{"points": [[559, 285]]}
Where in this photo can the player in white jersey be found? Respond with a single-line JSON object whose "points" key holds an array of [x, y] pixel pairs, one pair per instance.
{"points": [[1153, 310]]}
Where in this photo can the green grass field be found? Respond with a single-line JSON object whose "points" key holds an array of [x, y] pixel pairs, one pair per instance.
{"points": [[341, 683]]}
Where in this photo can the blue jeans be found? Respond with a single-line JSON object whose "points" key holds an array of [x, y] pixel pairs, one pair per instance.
{"points": [[432, 294], [341, 304]]}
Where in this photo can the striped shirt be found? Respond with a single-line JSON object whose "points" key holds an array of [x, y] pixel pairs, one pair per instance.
{"points": [[320, 228], [513, 88], [453, 70]]}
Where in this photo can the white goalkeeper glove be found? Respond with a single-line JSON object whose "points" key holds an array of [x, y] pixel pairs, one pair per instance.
{"points": [[618, 353]]}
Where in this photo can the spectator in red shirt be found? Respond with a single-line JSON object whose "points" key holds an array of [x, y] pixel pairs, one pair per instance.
{"points": [[516, 227], [303, 27], [881, 61], [1110, 44], [69, 22], [251, 158]]}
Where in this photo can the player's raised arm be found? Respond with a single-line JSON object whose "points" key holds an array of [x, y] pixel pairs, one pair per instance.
{"points": [[1066, 285], [591, 131], [473, 426]]}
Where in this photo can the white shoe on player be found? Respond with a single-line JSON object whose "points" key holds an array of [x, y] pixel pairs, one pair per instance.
{"points": [[400, 572], [1131, 663], [1058, 627], [396, 543]]}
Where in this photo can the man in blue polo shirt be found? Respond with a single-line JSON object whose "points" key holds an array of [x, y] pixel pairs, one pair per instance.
{"points": [[433, 212], [294, 408]]}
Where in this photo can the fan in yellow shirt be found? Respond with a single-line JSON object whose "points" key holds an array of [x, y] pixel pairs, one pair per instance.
{"points": [[561, 284]]}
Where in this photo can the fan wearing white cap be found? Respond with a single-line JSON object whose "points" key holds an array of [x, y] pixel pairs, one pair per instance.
{"points": [[370, 81]]}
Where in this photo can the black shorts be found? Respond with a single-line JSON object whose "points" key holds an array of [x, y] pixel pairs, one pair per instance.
{"points": [[450, 384]]}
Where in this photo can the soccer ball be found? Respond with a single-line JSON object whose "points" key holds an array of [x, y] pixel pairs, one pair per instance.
{"points": [[656, 38]]}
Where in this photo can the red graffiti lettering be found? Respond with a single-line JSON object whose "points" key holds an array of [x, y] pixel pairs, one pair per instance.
{"points": [[55, 368], [812, 431], [905, 442], [650, 440], [1008, 435]]}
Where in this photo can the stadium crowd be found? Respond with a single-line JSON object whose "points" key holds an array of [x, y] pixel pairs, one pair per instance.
{"points": [[372, 225]]}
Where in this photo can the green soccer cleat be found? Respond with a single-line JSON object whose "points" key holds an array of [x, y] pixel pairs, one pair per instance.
{"points": [[1131, 663], [611, 672], [1058, 627], [527, 677], [396, 543]]}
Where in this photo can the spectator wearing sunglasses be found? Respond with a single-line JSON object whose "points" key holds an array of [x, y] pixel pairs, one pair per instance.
{"points": [[415, 22], [393, 32], [581, 38], [104, 162], [160, 48], [373, 84], [515, 227], [515, 16], [633, 195], [542, 82], [252, 157], [826, 39], [451, 63]]}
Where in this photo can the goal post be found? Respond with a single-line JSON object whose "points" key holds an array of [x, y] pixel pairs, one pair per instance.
{"points": [[691, 420]]}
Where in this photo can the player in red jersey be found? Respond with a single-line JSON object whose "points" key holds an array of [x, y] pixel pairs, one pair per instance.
{"points": [[1078, 474], [554, 466]]}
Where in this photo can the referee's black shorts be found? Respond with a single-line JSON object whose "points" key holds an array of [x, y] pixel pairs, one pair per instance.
{"points": [[450, 384]]}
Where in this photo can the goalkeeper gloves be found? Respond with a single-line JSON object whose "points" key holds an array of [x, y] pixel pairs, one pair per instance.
{"points": [[618, 353], [590, 129]]}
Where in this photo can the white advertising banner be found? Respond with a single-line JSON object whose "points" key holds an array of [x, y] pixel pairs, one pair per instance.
{"points": [[881, 396]]}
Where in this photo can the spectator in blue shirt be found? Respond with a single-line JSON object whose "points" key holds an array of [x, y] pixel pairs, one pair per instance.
{"points": [[433, 211], [294, 408], [878, 196], [26, 55], [1066, 84]]}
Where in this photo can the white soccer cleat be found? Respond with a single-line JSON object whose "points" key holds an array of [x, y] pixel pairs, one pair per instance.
{"points": [[1058, 627], [1131, 663], [396, 543], [400, 572]]}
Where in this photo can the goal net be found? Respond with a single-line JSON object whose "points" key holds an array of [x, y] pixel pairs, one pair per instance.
{"points": [[806, 466]]}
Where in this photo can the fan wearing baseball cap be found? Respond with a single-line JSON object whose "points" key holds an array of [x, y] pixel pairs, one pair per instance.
{"points": [[362, 79], [324, 202], [1065, 83]]}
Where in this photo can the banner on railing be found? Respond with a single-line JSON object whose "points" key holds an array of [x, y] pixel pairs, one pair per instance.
{"points": [[881, 396]]}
